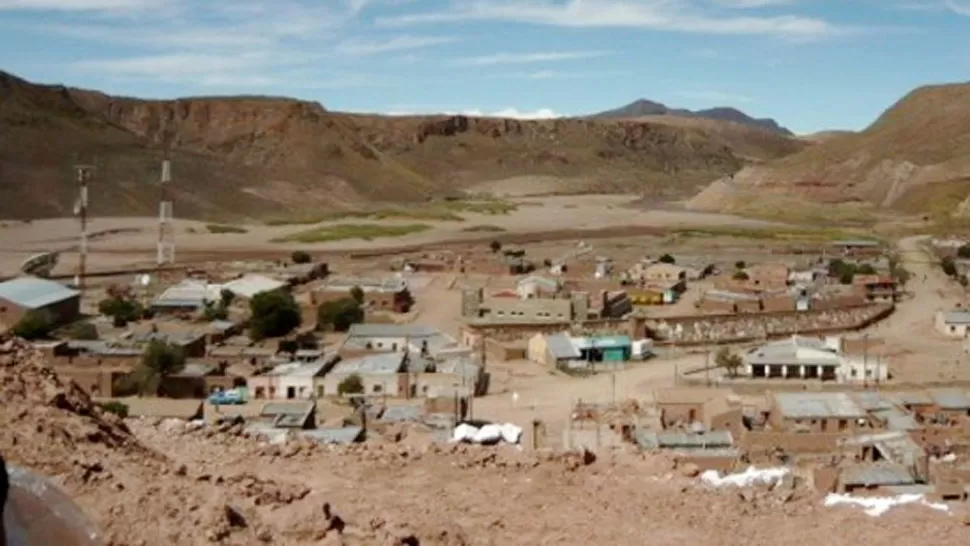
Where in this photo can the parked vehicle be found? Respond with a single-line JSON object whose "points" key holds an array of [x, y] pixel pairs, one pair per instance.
{"points": [[227, 398]]}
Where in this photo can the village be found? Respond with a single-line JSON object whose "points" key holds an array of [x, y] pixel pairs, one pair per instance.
{"points": [[839, 358]]}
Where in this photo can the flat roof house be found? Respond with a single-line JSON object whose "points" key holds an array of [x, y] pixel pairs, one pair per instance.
{"points": [[25, 294], [953, 323], [380, 373], [417, 338], [290, 381], [189, 295], [816, 412], [249, 285], [552, 350]]}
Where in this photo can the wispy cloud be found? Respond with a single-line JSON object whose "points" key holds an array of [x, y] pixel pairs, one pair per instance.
{"points": [[557, 75], [528, 58], [663, 15], [958, 7], [513, 113], [751, 4], [396, 44], [78, 5]]}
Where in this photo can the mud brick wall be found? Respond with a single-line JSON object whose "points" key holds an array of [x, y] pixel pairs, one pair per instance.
{"points": [[759, 441], [504, 332], [699, 329]]}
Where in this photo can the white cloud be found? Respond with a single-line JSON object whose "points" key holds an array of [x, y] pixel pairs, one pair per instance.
{"points": [[526, 58], [960, 8], [556, 75], [77, 5], [664, 15], [399, 43], [748, 4], [513, 113]]}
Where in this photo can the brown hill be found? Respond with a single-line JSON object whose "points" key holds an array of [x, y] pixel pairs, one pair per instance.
{"points": [[915, 157], [256, 156]]}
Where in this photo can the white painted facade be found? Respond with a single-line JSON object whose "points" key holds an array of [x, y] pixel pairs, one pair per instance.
{"points": [[955, 324]]}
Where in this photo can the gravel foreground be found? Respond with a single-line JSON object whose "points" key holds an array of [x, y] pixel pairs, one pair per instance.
{"points": [[148, 482]]}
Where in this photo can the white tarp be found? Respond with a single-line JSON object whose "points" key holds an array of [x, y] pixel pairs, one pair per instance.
{"points": [[877, 506], [490, 433], [749, 477]]}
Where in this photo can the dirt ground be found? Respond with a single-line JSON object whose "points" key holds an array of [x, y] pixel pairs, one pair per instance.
{"points": [[153, 483], [120, 242]]}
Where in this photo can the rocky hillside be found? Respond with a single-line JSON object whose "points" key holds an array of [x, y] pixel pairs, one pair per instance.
{"points": [[257, 156], [915, 158], [644, 108]]}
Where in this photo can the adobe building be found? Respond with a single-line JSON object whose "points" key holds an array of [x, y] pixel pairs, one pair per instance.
{"points": [[391, 294], [25, 294]]}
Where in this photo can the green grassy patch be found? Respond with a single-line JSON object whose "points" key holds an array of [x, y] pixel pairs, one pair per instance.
{"points": [[222, 228], [486, 228], [447, 211], [770, 233], [342, 232]]}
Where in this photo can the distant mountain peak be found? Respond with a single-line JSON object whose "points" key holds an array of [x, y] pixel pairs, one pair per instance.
{"points": [[646, 107]]}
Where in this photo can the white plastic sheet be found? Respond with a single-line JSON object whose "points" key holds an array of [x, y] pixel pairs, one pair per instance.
{"points": [[877, 506], [749, 477], [488, 434]]}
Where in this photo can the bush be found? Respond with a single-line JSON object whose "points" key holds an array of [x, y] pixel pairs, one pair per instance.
{"points": [[846, 277], [215, 312], [667, 259], [119, 307], [352, 384], [273, 314], [339, 315], [84, 331], [948, 266], [740, 264], [159, 361], [729, 361], [34, 325], [301, 257], [740, 275], [495, 246], [113, 406], [964, 252], [866, 269], [358, 294]]}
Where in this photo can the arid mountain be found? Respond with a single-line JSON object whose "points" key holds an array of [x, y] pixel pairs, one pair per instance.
{"points": [[257, 156], [643, 107], [915, 157]]}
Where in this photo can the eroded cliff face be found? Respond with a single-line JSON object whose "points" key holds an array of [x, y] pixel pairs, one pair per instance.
{"points": [[254, 156]]}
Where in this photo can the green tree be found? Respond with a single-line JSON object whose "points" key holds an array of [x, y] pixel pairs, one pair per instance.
{"points": [[740, 264], [731, 362], [301, 257], [113, 406], [159, 361], [339, 315], [866, 269], [964, 252], [226, 297], [846, 276], [740, 275], [83, 331], [34, 325], [495, 246], [667, 259], [358, 294], [215, 312], [273, 314], [121, 309], [352, 384], [948, 266]]}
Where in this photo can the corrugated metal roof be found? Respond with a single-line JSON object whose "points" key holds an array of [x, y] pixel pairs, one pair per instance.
{"points": [[601, 342], [877, 474], [804, 405], [250, 285], [286, 408], [897, 419], [957, 316], [345, 435], [912, 398], [34, 293], [392, 330], [189, 293], [398, 414], [196, 369], [386, 363], [872, 401], [680, 440], [561, 347], [298, 369], [950, 398]]}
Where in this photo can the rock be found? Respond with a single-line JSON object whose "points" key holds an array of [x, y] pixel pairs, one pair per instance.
{"points": [[690, 470]]}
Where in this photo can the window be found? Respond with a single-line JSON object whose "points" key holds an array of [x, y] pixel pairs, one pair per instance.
{"points": [[320, 391], [377, 388]]}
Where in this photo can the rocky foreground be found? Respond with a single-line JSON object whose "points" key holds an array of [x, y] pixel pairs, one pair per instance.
{"points": [[160, 483]]}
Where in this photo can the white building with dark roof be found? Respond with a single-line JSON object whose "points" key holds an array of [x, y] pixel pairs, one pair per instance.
{"points": [[953, 323], [800, 357]]}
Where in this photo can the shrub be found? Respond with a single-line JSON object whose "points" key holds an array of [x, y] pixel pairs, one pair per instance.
{"points": [[301, 257], [352, 384], [740, 264], [667, 259], [339, 315], [495, 246], [740, 275], [83, 331], [119, 307], [358, 294], [113, 406], [34, 325], [159, 361], [273, 314]]}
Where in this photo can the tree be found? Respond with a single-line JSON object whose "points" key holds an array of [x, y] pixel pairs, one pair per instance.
{"points": [[159, 361], [301, 257], [339, 315], [740, 264], [352, 384], [113, 406], [836, 267], [667, 259], [121, 309], [963, 252], [226, 297], [740, 275], [963, 280], [273, 313], [34, 325], [83, 331], [866, 269], [215, 312], [358, 294], [846, 277], [495, 246], [729, 361]]}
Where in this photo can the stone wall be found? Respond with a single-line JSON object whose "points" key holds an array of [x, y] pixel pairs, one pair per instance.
{"points": [[510, 331], [708, 329]]}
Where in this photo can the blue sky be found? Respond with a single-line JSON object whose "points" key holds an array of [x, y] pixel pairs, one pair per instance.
{"points": [[810, 64]]}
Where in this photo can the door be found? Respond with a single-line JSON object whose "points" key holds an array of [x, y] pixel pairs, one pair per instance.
{"points": [[290, 393]]}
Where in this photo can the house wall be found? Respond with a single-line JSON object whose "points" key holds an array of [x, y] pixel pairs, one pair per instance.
{"points": [[537, 309], [97, 383], [512, 331], [386, 384], [950, 330], [790, 442], [538, 351], [673, 413], [729, 420], [90, 361], [265, 387], [721, 464], [302, 387]]}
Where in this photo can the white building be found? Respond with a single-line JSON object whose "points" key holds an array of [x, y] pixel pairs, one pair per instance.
{"points": [[416, 338], [953, 323], [812, 358]]}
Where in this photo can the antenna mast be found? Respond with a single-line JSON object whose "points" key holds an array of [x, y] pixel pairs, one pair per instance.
{"points": [[166, 242], [83, 175]]}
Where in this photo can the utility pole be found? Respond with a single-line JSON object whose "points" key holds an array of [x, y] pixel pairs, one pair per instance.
{"points": [[165, 248], [865, 360], [83, 176], [707, 368]]}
